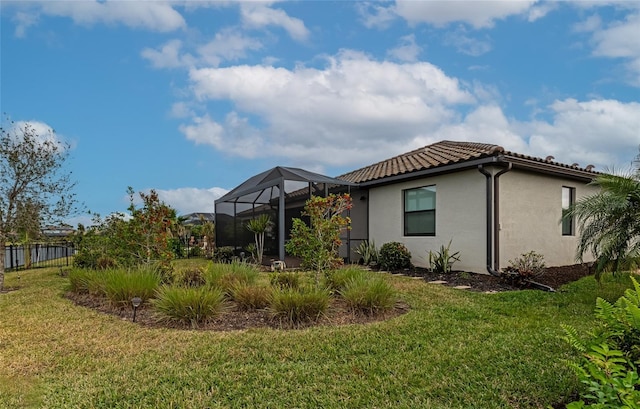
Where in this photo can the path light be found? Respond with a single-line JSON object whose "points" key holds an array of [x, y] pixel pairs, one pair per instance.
{"points": [[136, 301]]}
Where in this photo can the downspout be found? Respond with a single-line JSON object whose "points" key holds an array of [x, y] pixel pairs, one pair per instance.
{"points": [[496, 217], [493, 225]]}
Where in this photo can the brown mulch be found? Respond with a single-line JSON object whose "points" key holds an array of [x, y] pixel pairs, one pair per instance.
{"points": [[338, 313], [232, 319], [553, 277]]}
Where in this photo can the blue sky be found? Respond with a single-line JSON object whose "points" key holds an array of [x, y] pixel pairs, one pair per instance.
{"points": [[193, 97]]}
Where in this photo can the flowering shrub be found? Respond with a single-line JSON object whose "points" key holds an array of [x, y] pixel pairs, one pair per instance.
{"points": [[318, 244], [394, 256]]}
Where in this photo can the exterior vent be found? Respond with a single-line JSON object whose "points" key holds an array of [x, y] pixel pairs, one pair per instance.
{"points": [[549, 158], [589, 168]]}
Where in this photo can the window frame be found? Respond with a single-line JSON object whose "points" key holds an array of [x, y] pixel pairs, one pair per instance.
{"points": [[406, 213], [569, 229]]}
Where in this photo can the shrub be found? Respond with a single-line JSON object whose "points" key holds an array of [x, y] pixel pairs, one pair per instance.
{"points": [[120, 286], [337, 279], [285, 280], [193, 306], [296, 306], [368, 295], [251, 297], [223, 254], [86, 259], [608, 367], [368, 252], [394, 256], [190, 277], [526, 267], [441, 261], [195, 251]]}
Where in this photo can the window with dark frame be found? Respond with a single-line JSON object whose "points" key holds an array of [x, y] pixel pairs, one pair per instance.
{"points": [[420, 211], [568, 199]]}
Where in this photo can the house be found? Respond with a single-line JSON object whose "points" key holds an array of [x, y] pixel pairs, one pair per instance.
{"points": [[492, 204]]}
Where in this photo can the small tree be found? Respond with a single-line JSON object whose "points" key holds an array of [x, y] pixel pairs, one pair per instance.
{"points": [[150, 228], [318, 243], [34, 188], [609, 221], [258, 227]]}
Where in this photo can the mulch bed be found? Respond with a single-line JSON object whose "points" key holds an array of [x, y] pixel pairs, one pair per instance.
{"points": [[554, 277], [232, 319]]}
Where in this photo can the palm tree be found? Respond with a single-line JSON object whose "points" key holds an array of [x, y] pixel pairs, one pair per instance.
{"points": [[609, 221], [258, 227]]}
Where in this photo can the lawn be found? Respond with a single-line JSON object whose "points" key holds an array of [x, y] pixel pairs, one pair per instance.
{"points": [[454, 349]]}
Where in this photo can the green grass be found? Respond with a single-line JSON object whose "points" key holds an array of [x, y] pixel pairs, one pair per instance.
{"points": [[454, 349]]}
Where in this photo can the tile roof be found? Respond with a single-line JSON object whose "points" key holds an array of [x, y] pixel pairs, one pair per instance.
{"points": [[448, 153], [431, 156]]}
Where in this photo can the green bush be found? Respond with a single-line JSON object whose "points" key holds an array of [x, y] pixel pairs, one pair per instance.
{"points": [[296, 306], [223, 254], [195, 251], [190, 277], [187, 305], [368, 295], [394, 256], [285, 280], [120, 286], [608, 368], [336, 280], [251, 297]]}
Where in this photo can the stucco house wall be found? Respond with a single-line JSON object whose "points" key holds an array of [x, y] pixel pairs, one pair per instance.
{"points": [[530, 215], [460, 217]]}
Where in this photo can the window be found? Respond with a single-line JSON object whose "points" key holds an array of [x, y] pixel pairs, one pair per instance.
{"points": [[568, 198], [420, 211]]}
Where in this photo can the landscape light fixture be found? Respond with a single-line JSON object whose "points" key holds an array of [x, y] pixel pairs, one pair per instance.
{"points": [[136, 301]]}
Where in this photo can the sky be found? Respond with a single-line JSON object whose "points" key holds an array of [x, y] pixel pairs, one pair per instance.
{"points": [[191, 98]]}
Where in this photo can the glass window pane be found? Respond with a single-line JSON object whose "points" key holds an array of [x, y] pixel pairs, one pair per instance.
{"points": [[423, 198], [420, 223]]}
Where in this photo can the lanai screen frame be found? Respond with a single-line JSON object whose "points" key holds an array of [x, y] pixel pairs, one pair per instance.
{"points": [[251, 192]]}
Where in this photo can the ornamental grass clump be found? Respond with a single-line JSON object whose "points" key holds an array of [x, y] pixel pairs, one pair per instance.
{"points": [[297, 306], [368, 295], [285, 280], [336, 280], [190, 277], [188, 305], [251, 297], [226, 276], [84, 281], [120, 286]]}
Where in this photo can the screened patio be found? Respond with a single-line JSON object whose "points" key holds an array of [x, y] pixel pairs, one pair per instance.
{"points": [[281, 193]]}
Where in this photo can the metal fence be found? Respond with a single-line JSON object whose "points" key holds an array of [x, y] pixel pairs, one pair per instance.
{"points": [[20, 257]]}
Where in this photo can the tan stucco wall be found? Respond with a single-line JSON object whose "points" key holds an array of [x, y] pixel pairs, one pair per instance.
{"points": [[460, 217], [530, 214]]}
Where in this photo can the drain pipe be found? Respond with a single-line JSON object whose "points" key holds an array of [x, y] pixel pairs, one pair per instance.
{"points": [[493, 225]]}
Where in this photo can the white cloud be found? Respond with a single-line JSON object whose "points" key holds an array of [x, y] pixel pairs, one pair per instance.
{"points": [[259, 15], [23, 21], [310, 113], [373, 15], [227, 45], [40, 131], [407, 49], [479, 14], [189, 200], [168, 56], [601, 132], [149, 15], [466, 44]]}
